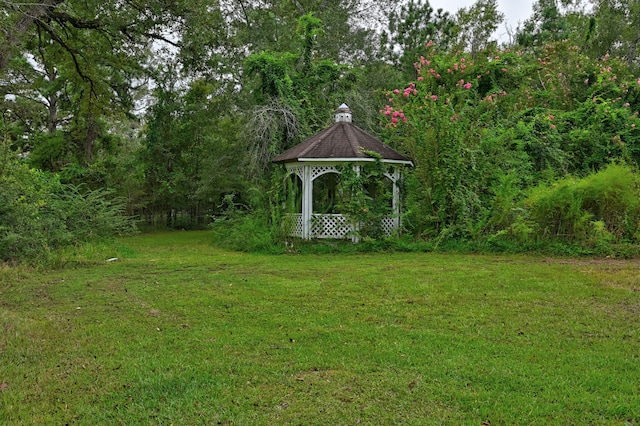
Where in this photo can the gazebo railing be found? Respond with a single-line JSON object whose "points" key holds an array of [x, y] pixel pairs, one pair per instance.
{"points": [[333, 226], [330, 226], [293, 221]]}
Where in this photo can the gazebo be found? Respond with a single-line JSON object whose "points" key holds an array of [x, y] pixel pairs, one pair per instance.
{"points": [[320, 158]]}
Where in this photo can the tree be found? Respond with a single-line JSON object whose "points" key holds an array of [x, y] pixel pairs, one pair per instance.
{"points": [[547, 24], [615, 29], [476, 25], [411, 28]]}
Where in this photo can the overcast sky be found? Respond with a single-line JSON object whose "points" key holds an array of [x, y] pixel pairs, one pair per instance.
{"points": [[515, 11]]}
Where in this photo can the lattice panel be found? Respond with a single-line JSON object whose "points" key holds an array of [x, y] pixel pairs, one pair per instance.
{"points": [[298, 171], [330, 226], [293, 222], [389, 224], [320, 170]]}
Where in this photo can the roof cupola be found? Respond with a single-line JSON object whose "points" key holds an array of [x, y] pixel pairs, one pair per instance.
{"points": [[343, 113]]}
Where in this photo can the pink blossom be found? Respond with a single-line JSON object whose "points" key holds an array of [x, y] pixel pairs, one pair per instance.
{"points": [[430, 43], [404, 119], [586, 81], [449, 70], [396, 91], [455, 67], [420, 78], [434, 98], [467, 86], [437, 75], [503, 70], [626, 104], [553, 126], [394, 120]]}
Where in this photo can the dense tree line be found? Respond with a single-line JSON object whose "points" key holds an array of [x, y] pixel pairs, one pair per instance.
{"points": [[170, 112]]}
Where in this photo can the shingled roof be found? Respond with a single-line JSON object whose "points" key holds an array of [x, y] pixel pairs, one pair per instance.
{"points": [[342, 141]]}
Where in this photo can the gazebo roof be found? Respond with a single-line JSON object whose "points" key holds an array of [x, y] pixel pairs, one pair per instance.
{"points": [[343, 141]]}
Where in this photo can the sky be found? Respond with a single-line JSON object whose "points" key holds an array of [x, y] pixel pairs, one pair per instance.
{"points": [[515, 11]]}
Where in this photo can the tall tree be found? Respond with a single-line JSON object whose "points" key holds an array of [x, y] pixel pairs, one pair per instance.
{"points": [[411, 28], [476, 25], [615, 29], [547, 24]]}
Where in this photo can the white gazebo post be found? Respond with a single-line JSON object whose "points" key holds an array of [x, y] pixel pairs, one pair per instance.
{"points": [[395, 204], [307, 201]]}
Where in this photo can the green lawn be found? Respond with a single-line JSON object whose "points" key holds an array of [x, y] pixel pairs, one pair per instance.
{"points": [[180, 332]]}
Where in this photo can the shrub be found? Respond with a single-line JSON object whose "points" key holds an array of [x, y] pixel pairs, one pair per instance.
{"points": [[598, 209], [38, 213]]}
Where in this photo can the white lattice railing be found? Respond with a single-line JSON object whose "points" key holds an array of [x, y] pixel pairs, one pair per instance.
{"points": [[331, 226], [389, 224], [293, 222]]}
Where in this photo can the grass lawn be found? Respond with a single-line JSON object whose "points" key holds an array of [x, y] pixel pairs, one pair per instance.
{"points": [[179, 332]]}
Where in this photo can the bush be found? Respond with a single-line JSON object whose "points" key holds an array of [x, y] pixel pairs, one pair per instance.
{"points": [[241, 229], [596, 210], [38, 214]]}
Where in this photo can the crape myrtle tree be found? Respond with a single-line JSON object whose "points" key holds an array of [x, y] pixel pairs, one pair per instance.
{"points": [[483, 131]]}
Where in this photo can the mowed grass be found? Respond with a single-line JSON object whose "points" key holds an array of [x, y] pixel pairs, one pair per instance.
{"points": [[180, 332]]}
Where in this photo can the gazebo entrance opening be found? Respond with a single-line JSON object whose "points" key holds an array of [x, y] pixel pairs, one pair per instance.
{"points": [[326, 194]]}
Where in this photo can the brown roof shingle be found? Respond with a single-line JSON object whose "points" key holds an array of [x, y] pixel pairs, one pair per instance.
{"points": [[343, 140]]}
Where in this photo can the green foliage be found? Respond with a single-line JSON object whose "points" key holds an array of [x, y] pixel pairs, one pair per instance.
{"points": [[190, 156], [483, 131], [24, 226], [86, 215], [595, 210], [38, 214], [413, 26], [240, 229], [365, 198]]}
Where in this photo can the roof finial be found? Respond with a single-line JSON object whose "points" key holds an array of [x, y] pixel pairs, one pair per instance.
{"points": [[343, 113]]}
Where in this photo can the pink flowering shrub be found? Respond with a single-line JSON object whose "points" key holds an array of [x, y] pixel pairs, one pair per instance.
{"points": [[501, 122]]}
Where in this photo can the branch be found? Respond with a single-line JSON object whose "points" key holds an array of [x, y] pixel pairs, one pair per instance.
{"points": [[16, 33], [72, 52], [64, 18]]}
